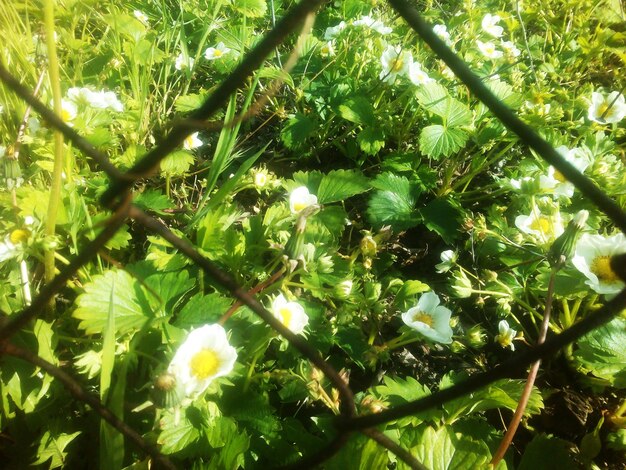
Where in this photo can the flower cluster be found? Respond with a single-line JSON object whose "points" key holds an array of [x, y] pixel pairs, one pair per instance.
{"points": [[396, 63], [489, 49]]}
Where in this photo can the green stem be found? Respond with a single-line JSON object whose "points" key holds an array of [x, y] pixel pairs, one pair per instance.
{"points": [[255, 358], [56, 183]]}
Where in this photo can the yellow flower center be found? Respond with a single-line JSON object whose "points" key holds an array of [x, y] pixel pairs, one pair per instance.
{"points": [[19, 236], [396, 64], [217, 53], [204, 364], [559, 176], [604, 108], [300, 205], [541, 224], [66, 115], [490, 49], [285, 315], [423, 317], [189, 141], [601, 267], [505, 340]]}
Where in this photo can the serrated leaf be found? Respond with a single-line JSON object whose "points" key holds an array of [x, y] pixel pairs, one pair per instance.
{"points": [[505, 93], [179, 432], [442, 217], [407, 389], [167, 289], [93, 304], [436, 140], [534, 457], [444, 450], [53, 447], [358, 110], [360, 453], [310, 179], [297, 130], [603, 352], [188, 103], [202, 309], [251, 8], [153, 200], [371, 140], [394, 202], [341, 184], [432, 96], [275, 73], [177, 163], [456, 113]]}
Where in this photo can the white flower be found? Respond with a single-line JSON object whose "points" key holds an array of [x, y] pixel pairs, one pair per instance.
{"points": [[545, 228], [490, 25], [344, 289], [216, 52], [260, 178], [300, 199], [593, 258], [334, 31], [417, 75], [327, 49], [192, 141], [448, 258], [604, 110], [95, 99], [430, 319], [68, 111], [506, 336], [395, 62], [488, 49], [510, 49], [181, 63], [204, 356], [441, 31], [373, 24], [141, 16], [554, 182], [290, 314], [7, 250]]}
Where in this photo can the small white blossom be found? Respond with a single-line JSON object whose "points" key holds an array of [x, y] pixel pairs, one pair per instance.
{"points": [[95, 99], [593, 258], [192, 141], [441, 31], [260, 178], [204, 356], [181, 63], [300, 199], [333, 31], [506, 335], [373, 24], [344, 289], [395, 62], [448, 258], [417, 75], [68, 111], [141, 16], [430, 319], [607, 109], [510, 49], [327, 49], [554, 182], [290, 314], [488, 49], [216, 52], [545, 228], [490, 25]]}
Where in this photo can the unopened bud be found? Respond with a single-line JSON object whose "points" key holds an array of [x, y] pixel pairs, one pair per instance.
{"points": [[563, 247], [368, 246]]}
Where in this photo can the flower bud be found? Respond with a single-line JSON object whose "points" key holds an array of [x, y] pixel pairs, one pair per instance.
{"points": [[563, 247], [344, 289], [368, 246]]}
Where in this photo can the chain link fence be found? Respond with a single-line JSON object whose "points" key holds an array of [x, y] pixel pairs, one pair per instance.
{"points": [[119, 198]]}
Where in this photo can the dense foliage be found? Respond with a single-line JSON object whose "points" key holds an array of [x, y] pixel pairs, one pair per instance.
{"points": [[372, 204]]}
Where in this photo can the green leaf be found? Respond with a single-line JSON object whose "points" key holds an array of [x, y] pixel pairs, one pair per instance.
{"points": [[406, 390], [153, 201], [443, 217], [251, 8], [361, 453], [190, 102], [297, 130], [394, 202], [179, 430], [169, 287], [358, 110], [177, 163], [94, 303], [444, 450], [371, 140], [202, 309], [505, 93], [534, 457], [310, 179], [433, 97], [341, 184], [603, 353], [436, 140], [53, 447]]}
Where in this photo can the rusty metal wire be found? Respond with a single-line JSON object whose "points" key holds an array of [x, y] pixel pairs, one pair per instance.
{"points": [[348, 421]]}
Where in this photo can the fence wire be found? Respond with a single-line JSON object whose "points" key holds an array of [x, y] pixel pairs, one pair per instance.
{"points": [[118, 197]]}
